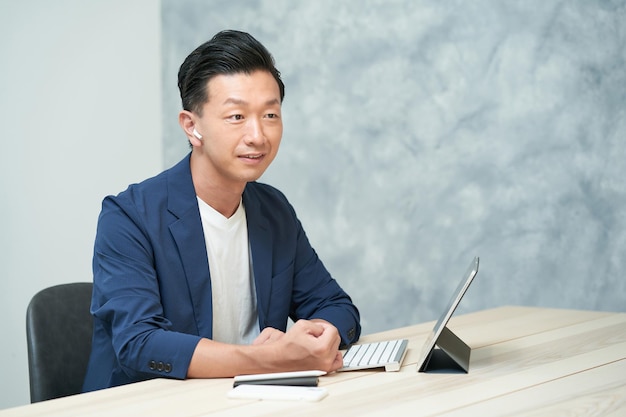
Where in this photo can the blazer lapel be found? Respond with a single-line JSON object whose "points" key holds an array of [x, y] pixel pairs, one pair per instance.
{"points": [[260, 240], [189, 237]]}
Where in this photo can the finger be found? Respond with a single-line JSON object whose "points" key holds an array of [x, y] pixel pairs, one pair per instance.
{"points": [[275, 335], [265, 336], [260, 339], [310, 327], [330, 334], [338, 363]]}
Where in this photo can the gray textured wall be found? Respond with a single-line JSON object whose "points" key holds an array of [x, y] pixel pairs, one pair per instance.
{"points": [[421, 133]]}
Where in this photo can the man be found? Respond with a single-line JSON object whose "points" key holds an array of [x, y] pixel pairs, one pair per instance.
{"points": [[197, 270]]}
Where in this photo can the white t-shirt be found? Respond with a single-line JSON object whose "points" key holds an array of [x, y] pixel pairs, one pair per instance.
{"points": [[235, 316]]}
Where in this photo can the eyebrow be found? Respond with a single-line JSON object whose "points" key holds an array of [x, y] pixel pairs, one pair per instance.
{"points": [[237, 101]]}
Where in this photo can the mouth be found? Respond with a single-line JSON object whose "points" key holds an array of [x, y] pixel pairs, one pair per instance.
{"points": [[252, 157]]}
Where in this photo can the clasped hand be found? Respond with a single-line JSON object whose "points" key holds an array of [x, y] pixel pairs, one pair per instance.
{"points": [[308, 344]]}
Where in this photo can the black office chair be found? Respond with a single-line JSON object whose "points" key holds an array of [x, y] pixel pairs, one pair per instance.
{"points": [[58, 331]]}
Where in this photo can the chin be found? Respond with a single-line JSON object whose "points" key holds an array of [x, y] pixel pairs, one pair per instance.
{"points": [[253, 175], [250, 177]]}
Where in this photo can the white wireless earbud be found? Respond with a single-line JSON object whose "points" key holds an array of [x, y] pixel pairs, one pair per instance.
{"points": [[196, 134]]}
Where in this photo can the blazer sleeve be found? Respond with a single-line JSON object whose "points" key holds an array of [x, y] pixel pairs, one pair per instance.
{"points": [[127, 301]]}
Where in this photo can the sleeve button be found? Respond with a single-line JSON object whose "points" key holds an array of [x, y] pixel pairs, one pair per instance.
{"points": [[351, 333]]}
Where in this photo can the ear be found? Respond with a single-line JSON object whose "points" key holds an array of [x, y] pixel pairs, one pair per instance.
{"points": [[187, 121]]}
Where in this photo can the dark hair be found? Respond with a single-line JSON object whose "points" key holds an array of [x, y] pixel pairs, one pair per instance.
{"points": [[228, 52]]}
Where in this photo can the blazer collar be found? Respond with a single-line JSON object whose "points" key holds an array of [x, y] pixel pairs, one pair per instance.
{"points": [[180, 190]]}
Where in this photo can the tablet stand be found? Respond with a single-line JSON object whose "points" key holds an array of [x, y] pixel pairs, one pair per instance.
{"points": [[448, 355]]}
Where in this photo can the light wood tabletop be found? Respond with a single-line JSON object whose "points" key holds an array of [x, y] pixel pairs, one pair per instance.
{"points": [[525, 361]]}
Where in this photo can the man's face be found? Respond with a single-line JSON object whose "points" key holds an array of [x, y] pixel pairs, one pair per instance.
{"points": [[241, 127]]}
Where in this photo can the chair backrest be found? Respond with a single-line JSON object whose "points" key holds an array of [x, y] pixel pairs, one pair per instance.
{"points": [[59, 329]]}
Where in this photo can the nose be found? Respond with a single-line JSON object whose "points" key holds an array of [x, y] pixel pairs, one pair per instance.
{"points": [[254, 132]]}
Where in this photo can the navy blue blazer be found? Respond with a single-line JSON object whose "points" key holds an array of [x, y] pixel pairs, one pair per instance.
{"points": [[152, 290]]}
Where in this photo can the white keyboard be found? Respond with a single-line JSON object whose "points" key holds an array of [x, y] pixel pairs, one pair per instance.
{"points": [[388, 354]]}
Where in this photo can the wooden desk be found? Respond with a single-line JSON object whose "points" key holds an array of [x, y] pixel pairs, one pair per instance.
{"points": [[525, 362]]}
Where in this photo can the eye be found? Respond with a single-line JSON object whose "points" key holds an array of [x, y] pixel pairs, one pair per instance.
{"points": [[236, 117], [272, 116]]}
